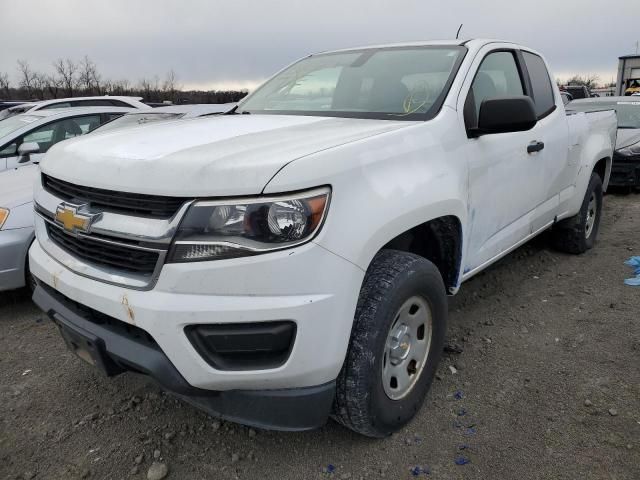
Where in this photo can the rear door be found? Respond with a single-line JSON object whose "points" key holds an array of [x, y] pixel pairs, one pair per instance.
{"points": [[552, 131]]}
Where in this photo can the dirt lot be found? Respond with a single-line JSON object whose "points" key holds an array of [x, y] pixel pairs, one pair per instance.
{"points": [[547, 352]]}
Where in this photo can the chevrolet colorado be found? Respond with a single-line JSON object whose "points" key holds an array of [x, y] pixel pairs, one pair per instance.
{"points": [[291, 260]]}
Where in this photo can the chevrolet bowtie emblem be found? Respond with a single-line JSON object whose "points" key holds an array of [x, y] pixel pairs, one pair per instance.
{"points": [[72, 220]]}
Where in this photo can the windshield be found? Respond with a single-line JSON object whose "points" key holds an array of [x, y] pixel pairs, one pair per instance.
{"points": [[628, 111], [134, 119], [387, 83], [12, 124]]}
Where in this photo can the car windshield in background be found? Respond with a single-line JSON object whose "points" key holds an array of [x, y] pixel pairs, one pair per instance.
{"points": [[12, 124], [134, 119], [387, 83], [628, 111]]}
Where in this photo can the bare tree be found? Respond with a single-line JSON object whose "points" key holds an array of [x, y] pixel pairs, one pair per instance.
{"points": [[589, 81], [54, 86], [145, 87], [4, 84], [67, 73], [26, 76], [40, 84], [170, 86], [88, 76]]}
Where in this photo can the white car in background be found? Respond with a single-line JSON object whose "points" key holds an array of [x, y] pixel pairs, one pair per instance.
{"points": [[16, 186], [165, 114], [25, 138], [73, 102], [23, 141]]}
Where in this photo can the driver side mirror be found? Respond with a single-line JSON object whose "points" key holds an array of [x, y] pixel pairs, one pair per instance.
{"points": [[26, 149], [505, 114]]}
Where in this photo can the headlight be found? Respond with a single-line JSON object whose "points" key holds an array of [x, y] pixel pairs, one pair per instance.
{"points": [[4, 214], [215, 230], [631, 150]]}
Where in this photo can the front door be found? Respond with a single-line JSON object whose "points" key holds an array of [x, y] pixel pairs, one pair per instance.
{"points": [[506, 176]]}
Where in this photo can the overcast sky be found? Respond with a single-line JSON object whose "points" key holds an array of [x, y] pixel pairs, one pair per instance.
{"points": [[238, 43]]}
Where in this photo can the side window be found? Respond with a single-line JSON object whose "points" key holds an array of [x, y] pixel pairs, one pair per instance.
{"points": [[56, 105], [87, 123], [9, 150], [118, 103], [92, 103], [540, 84], [498, 75], [112, 116], [54, 132]]}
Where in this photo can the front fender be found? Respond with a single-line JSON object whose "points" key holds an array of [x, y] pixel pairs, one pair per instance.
{"points": [[384, 186]]}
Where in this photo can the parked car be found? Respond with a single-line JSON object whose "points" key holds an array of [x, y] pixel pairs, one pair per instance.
{"points": [[165, 114], [16, 226], [577, 91], [16, 201], [566, 97], [292, 258], [4, 104], [625, 171], [26, 138], [73, 102]]}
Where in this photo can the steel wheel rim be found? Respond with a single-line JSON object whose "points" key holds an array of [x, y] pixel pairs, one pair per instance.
{"points": [[407, 347], [592, 213]]}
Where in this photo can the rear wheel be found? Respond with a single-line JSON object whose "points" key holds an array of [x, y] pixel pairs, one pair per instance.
{"points": [[578, 233], [396, 344]]}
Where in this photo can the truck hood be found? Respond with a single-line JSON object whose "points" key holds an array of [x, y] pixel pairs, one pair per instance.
{"points": [[16, 186], [218, 156], [627, 136]]}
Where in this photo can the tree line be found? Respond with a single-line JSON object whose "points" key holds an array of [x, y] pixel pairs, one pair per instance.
{"points": [[69, 78]]}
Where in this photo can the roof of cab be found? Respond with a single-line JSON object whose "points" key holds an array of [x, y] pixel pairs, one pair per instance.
{"points": [[474, 42]]}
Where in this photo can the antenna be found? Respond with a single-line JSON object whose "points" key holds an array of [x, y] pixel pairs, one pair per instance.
{"points": [[460, 28]]}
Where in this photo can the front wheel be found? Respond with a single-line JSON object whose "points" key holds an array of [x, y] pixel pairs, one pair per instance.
{"points": [[396, 343], [578, 234]]}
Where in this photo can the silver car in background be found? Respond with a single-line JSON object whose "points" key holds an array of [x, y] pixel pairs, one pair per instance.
{"points": [[16, 226], [625, 171]]}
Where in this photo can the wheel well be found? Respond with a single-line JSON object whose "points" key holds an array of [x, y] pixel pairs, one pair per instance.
{"points": [[439, 241], [601, 168]]}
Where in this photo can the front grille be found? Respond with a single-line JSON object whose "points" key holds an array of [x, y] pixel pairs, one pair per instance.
{"points": [[119, 202], [122, 257]]}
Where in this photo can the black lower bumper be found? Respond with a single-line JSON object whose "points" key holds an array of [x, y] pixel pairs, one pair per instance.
{"points": [[115, 347], [625, 173]]}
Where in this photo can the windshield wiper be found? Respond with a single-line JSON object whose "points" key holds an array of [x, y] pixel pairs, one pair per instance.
{"points": [[234, 111]]}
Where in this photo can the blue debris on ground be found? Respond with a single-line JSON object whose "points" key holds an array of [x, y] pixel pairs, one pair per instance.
{"points": [[462, 460], [418, 470], [458, 395], [633, 262], [330, 468]]}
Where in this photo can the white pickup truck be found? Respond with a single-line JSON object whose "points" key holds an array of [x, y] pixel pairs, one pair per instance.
{"points": [[291, 260]]}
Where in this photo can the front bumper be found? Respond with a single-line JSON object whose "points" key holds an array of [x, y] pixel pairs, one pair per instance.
{"points": [[625, 172], [308, 285], [115, 347], [14, 245]]}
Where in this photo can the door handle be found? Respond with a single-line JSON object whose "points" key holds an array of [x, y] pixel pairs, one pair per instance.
{"points": [[535, 147]]}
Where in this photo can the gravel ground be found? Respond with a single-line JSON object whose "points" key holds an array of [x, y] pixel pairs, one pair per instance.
{"points": [[545, 350]]}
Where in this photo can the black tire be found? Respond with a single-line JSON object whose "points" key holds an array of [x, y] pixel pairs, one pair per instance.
{"points": [[29, 280], [570, 235], [361, 403]]}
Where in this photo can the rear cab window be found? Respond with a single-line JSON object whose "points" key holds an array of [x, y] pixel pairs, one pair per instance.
{"points": [[541, 86]]}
